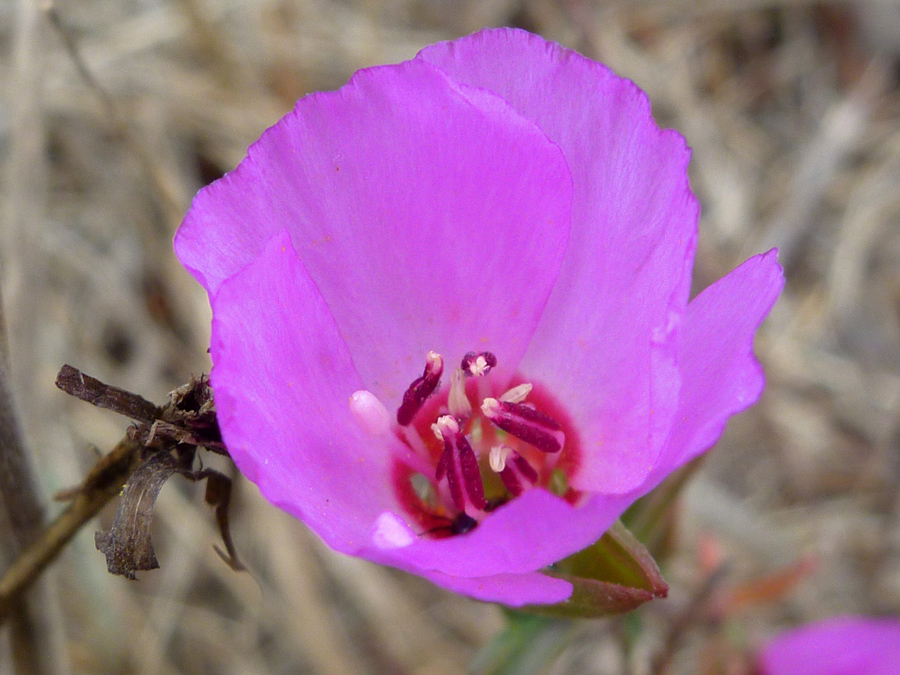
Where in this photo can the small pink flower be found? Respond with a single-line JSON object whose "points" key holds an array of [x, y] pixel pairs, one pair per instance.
{"points": [[451, 329], [839, 646]]}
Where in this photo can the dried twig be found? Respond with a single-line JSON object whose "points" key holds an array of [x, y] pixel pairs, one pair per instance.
{"points": [[102, 484], [141, 462]]}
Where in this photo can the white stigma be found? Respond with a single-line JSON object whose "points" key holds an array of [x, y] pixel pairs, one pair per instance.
{"points": [[457, 401], [479, 366], [370, 413], [517, 394], [498, 456]]}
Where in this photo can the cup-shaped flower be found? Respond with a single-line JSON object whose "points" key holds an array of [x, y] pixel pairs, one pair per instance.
{"points": [[494, 240], [846, 645]]}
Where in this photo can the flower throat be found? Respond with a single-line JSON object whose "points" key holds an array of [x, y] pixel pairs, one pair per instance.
{"points": [[478, 449]]}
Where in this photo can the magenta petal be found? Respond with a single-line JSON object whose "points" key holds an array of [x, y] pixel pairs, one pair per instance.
{"points": [[498, 193], [429, 214], [513, 590], [607, 342], [720, 375], [527, 534], [838, 646], [282, 377]]}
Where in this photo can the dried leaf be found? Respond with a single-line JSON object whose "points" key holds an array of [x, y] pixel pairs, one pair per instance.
{"points": [[127, 545], [218, 494]]}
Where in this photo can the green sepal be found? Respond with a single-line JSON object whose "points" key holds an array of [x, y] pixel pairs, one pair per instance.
{"points": [[612, 576]]}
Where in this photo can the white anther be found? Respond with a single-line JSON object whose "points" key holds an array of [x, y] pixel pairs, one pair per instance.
{"points": [[446, 425], [434, 361], [498, 456], [457, 401], [517, 394], [370, 413], [490, 407]]}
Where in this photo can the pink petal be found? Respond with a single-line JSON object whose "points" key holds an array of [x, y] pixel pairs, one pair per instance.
{"points": [[720, 375], [429, 214], [525, 535], [607, 342], [513, 590], [282, 378], [838, 646]]}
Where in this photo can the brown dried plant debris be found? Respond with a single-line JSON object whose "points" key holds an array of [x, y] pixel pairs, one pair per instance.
{"points": [[169, 436]]}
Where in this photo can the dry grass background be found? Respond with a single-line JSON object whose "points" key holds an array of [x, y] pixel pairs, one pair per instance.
{"points": [[791, 108]]}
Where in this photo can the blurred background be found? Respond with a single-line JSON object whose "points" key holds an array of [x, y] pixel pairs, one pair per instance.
{"points": [[115, 115]]}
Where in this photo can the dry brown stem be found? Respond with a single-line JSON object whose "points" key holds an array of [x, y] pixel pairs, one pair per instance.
{"points": [[102, 484]]}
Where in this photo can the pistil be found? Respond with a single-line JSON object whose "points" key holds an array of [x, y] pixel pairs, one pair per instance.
{"points": [[478, 365]]}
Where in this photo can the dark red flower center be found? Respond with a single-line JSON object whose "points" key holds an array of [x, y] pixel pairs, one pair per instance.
{"points": [[479, 447]]}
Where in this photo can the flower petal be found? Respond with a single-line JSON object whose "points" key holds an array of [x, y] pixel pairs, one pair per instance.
{"points": [[720, 375], [512, 590], [552, 528], [838, 646], [429, 214], [282, 377], [607, 342]]}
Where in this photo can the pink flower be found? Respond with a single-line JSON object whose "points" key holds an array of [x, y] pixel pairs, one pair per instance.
{"points": [[497, 195], [839, 646]]}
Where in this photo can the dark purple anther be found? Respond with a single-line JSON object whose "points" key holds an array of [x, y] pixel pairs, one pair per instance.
{"points": [[471, 474], [511, 482], [514, 470], [460, 465], [525, 423], [421, 389]]}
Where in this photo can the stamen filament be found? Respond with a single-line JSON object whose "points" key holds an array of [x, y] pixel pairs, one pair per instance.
{"points": [[457, 401]]}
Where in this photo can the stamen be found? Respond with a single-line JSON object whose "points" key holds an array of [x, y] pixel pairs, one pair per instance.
{"points": [[471, 474], [517, 394], [498, 456], [459, 464], [446, 425], [525, 423], [478, 365], [457, 401], [421, 389], [514, 470]]}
